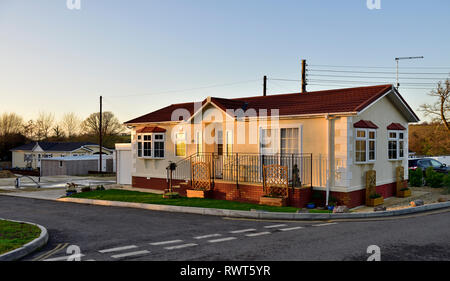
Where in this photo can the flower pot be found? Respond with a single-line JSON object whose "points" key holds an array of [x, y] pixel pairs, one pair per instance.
{"points": [[192, 193], [310, 205], [330, 208], [404, 193], [68, 193], [372, 202], [272, 201]]}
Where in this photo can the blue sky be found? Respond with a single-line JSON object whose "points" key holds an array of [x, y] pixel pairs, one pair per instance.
{"points": [[143, 55]]}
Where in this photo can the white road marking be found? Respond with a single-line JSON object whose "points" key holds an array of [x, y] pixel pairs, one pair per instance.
{"points": [[275, 225], [65, 258], [243, 230], [208, 236], [324, 224], [166, 242], [257, 234], [118, 249], [291, 228], [180, 246], [221, 239], [137, 253]]}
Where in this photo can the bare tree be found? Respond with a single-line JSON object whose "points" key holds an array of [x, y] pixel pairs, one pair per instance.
{"points": [[44, 123], [29, 129], [110, 124], [439, 110], [58, 132], [71, 124], [10, 123]]}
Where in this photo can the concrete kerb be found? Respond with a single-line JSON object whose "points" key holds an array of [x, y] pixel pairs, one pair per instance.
{"points": [[257, 215], [27, 248]]}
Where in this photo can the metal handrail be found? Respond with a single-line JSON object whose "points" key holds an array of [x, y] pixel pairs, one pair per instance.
{"points": [[17, 181], [247, 167]]}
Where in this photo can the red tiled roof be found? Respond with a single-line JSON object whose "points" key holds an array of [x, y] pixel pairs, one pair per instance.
{"points": [[151, 130], [365, 124], [320, 102], [396, 126]]}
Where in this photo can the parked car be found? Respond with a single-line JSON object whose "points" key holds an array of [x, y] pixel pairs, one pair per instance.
{"points": [[424, 163]]}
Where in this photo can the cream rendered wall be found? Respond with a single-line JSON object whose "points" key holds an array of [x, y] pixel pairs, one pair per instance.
{"points": [[313, 131], [382, 113]]}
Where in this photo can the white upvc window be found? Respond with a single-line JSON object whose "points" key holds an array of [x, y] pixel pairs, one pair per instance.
{"points": [[199, 141], [396, 145], [229, 143], [151, 145], [180, 144], [365, 145]]}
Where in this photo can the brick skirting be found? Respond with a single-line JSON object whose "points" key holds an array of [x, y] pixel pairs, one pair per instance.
{"points": [[251, 193]]}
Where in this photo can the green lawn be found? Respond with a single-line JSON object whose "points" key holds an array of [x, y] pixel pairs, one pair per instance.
{"points": [[151, 198], [14, 235]]}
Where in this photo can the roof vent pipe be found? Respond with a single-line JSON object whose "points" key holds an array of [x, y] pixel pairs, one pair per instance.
{"points": [[265, 86]]}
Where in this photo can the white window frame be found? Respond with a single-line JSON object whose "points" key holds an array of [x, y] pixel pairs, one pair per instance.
{"points": [[199, 142], [229, 142], [152, 143], [180, 140], [398, 140], [367, 139], [276, 139]]}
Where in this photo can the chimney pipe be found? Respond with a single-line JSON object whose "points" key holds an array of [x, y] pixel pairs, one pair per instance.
{"points": [[265, 86]]}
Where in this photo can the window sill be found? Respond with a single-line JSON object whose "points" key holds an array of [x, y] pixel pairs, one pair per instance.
{"points": [[151, 158], [365, 163]]}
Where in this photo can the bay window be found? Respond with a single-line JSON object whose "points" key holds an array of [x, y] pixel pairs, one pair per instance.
{"points": [[150, 145], [365, 145], [396, 145]]}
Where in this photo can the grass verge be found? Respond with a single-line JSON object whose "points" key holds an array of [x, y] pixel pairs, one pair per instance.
{"points": [[151, 198], [14, 235]]}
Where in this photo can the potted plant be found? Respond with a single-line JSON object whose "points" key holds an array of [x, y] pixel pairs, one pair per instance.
{"points": [[71, 189], [273, 200], [332, 202], [375, 199], [404, 192]]}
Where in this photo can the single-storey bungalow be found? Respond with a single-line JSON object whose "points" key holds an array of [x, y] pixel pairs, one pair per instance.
{"points": [[29, 155], [325, 140]]}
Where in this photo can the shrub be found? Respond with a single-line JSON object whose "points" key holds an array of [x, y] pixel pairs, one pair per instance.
{"points": [[86, 189], [446, 184], [433, 178], [416, 177], [436, 180], [100, 187], [375, 195], [332, 201], [446, 181], [317, 195]]}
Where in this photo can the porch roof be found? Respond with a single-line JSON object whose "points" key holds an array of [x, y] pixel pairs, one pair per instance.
{"points": [[153, 129], [350, 100]]}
